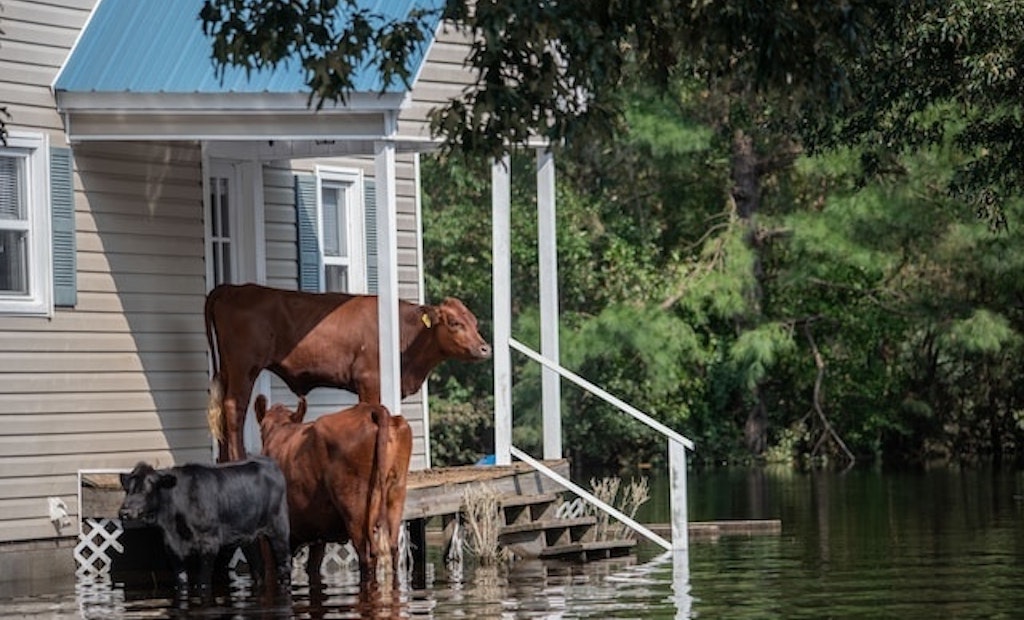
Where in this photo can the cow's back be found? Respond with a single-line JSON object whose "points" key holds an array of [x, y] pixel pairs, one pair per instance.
{"points": [[277, 319], [215, 506], [288, 332]]}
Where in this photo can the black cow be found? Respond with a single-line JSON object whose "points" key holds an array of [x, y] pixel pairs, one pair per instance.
{"points": [[202, 509]]}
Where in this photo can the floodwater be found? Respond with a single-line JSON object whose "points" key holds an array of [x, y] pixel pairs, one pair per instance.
{"points": [[944, 543]]}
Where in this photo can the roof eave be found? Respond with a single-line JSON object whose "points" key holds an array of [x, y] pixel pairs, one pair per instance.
{"points": [[68, 101], [225, 116]]}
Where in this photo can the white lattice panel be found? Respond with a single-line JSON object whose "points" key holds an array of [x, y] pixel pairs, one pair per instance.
{"points": [[97, 539]]}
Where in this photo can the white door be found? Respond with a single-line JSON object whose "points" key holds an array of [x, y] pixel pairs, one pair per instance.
{"points": [[234, 247]]}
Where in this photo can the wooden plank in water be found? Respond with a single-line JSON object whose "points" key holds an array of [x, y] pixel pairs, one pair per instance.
{"points": [[714, 529]]}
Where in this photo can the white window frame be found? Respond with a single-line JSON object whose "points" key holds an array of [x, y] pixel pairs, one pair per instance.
{"points": [[356, 231], [34, 149]]}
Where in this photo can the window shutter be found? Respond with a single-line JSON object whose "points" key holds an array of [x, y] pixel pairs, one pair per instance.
{"points": [[62, 214], [309, 242], [370, 212]]}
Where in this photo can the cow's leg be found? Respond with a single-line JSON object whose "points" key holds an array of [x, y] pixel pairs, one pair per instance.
{"points": [[180, 575], [395, 525], [315, 559], [367, 556], [206, 564], [255, 558], [237, 391], [282, 560], [400, 453]]}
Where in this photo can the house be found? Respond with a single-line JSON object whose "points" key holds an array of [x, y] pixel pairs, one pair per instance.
{"points": [[134, 180]]}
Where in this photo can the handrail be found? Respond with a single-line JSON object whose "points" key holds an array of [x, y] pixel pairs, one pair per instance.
{"points": [[677, 446], [597, 391], [590, 497]]}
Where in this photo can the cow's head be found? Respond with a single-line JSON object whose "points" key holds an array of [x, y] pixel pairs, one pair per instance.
{"points": [[277, 415], [142, 489], [456, 330]]}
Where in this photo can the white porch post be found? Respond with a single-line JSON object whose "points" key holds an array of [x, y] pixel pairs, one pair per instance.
{"points": [[548, 254], [387, 273], [677, 490], [501, 208]]}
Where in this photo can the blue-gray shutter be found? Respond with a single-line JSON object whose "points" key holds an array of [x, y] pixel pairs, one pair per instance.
{"points": [[308, 240], [370, 212], [62, 223]]}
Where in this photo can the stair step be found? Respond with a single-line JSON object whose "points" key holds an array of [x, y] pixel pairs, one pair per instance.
{"points": [[516, 509], [547, 524], [515, 499], [591, 550]]}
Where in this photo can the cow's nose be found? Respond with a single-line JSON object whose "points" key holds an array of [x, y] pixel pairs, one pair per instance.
{"points": [[485, 351]]}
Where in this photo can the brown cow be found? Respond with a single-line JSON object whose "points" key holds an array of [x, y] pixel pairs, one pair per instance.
{"points": [[319, 340], [346, 474]]}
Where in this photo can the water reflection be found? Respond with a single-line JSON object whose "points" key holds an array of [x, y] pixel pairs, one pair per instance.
{"points": [[913, 546], [614, 588]]}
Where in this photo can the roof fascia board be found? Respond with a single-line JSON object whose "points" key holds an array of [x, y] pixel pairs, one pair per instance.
{"points": [[216, 125], [181, 103]]}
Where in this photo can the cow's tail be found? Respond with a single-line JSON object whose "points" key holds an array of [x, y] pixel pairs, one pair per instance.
{"points": [[215, 403], [215, 409], [381, 533]]}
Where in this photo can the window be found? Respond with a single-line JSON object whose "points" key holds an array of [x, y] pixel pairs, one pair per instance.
{"points": [[25, 280], [220, 229], [341, 230]]}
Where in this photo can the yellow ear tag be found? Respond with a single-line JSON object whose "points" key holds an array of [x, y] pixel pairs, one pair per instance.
{"points": [[426, 320]]}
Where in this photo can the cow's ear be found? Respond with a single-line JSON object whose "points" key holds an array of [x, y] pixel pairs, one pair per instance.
{"points": [[429, 316], [300, 412], [448, 312], [260, 406], [124, 481]]}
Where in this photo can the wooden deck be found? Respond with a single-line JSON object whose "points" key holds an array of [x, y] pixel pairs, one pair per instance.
{"points": [[431, 492], [439, 492]]}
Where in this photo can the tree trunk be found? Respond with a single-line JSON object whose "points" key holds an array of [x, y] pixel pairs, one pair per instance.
{"points": [[746, 195]]}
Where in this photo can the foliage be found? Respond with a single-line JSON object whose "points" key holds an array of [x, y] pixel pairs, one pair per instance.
{"points": [[461, 433], [481, 505], [933, 62], [782, 235], [553, 69], [626, 500]]}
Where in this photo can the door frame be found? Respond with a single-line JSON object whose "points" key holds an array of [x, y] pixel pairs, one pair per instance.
{"points": [[248, 247]]}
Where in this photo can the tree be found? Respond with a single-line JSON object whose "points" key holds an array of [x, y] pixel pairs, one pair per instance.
{"points": [[553, 69], [770, 82]]}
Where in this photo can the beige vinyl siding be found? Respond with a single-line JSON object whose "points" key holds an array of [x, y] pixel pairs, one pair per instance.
{"points": [[442, 78], [121, 376], [279, 216], [36, 39]]}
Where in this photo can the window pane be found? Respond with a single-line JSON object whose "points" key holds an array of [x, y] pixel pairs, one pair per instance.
{"points": [[332, 216], [335, 215], [222, 206], [214, 211], [335, 278], [12, 195], [221, 262], [13, 262]]}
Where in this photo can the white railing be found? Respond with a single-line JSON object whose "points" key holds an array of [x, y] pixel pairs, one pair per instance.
{"points": [[677, 446]]}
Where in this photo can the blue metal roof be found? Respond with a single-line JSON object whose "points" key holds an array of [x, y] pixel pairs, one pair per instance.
{"points": [[158, 46]]}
